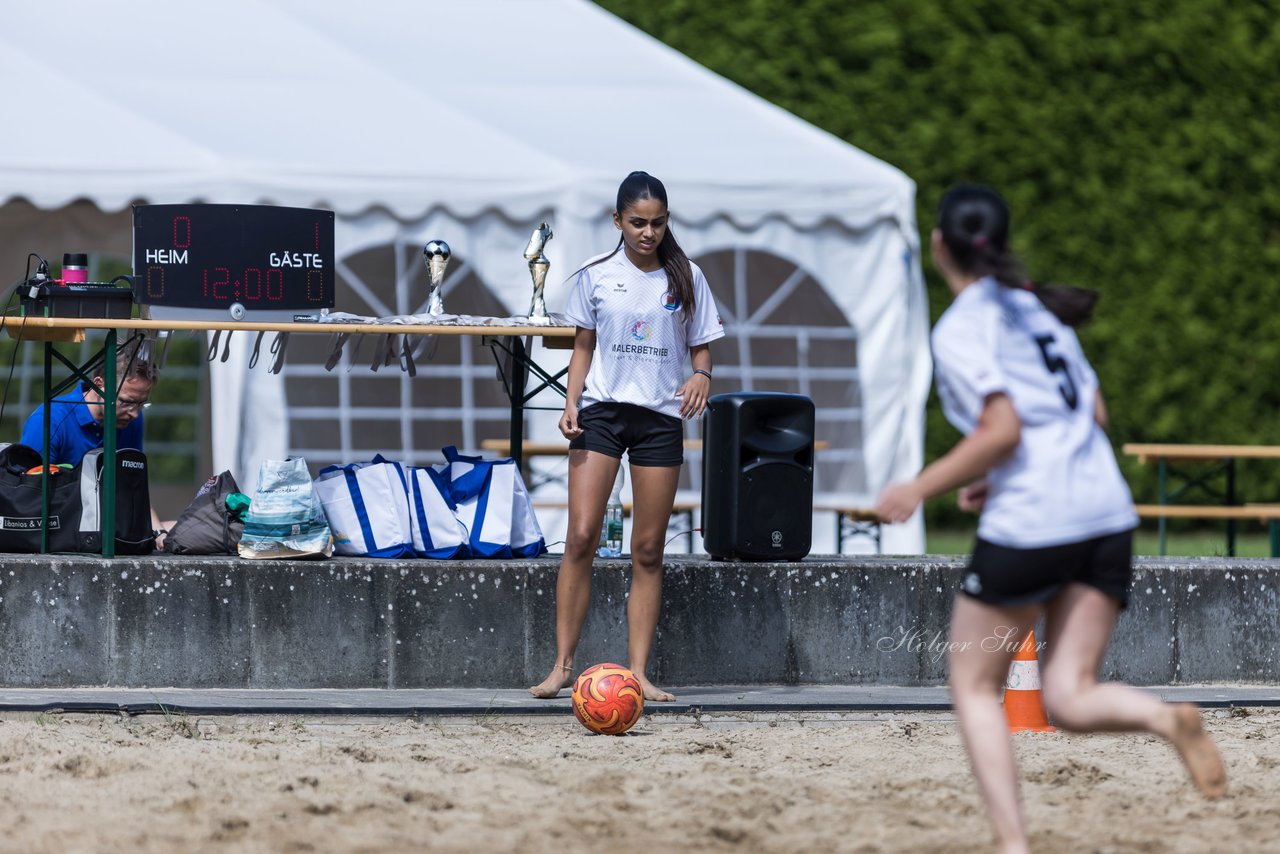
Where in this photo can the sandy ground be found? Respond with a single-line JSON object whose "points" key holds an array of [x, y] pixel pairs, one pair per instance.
{"points": [[814, 783]]}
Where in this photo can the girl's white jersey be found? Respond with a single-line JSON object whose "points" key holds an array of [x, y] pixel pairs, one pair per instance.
{"points": [[642, 334], [1062, 484]]}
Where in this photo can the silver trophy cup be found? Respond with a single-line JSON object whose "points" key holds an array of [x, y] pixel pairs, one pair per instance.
{"points": [[538, 267], [436, 256]]}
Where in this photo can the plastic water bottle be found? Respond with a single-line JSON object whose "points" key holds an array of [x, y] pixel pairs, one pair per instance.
{"points": [[611, 529]]}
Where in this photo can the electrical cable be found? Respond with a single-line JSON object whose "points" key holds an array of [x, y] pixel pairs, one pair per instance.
{"points": [[42, 272], [682, 534]]}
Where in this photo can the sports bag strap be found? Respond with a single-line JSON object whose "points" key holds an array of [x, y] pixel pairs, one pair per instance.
{"points": [[362, 512]]}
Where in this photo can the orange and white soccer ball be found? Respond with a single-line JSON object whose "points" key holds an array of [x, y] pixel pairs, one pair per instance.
{"points": [[608, 699]]}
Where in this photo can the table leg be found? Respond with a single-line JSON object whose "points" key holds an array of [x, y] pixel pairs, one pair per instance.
{"points": [[1231, 502], [44, 449], [519, 379], [1274, 526], [108, 494], [1162, 480]]}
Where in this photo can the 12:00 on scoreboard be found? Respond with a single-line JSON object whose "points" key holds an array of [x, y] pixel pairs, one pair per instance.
{"points": [[242, 261]]}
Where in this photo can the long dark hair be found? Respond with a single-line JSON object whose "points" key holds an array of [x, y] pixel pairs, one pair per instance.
{"points": [[974, 221], [634, 188]]}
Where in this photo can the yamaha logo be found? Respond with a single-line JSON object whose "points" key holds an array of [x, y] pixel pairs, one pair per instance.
{"points": [[777, 539], [133, 464]]}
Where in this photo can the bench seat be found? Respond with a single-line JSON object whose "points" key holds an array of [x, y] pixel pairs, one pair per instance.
{"points": [[1261, 512], [850, 520]]}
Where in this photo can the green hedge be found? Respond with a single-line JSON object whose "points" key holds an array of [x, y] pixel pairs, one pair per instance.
{"points": [[1138, 144]]}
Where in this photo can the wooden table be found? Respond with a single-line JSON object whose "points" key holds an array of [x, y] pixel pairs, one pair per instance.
{"points": [[1221, 460], [560, 449], [509, 340]]}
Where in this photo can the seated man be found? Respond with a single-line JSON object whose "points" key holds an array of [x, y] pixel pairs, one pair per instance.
{"points": [[75, 425]]}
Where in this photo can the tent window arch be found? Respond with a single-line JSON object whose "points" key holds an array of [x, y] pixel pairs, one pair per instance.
{"points": [[783, 333], [352, 412]]}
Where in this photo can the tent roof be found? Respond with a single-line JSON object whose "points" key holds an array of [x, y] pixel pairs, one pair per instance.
{"points": [[409, 106]]}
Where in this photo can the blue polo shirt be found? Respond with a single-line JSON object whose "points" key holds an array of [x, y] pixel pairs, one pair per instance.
{"points": [[73, 432]]}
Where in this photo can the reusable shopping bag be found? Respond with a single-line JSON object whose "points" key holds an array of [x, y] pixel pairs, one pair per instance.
{"points": [[491, 500], [285, 519], [367, 505], [213, 522], [437, 531]]}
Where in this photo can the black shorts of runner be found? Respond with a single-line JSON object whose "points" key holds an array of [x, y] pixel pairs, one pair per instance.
{"points": [[1003, 576], [649, 438]]}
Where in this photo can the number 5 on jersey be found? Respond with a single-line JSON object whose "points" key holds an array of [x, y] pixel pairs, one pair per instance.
{"points": [[1055, 364]]}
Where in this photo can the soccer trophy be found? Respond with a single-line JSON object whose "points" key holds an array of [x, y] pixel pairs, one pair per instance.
{"points": [[436, 256], [538, 266]]}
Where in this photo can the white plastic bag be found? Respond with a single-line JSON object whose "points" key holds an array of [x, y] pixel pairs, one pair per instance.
{"points": [[285, 519]]}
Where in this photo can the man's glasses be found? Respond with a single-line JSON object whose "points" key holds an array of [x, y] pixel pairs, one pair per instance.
{"points": [[135, 405]]}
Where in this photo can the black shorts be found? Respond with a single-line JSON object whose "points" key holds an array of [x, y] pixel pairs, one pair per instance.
{"points": [[649, 438], [999, 575]]}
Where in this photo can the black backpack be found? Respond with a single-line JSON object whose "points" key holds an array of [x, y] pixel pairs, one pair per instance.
{"points": [[75, 503], [207, 527]]}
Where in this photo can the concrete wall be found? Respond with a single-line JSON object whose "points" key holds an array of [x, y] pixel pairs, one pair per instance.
{"points": [[349, 623]]}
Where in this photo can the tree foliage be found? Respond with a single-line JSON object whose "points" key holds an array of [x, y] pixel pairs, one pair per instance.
{"points": [[1138, 144]]}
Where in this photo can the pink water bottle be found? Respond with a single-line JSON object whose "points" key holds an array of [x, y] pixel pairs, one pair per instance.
{"points": [[75, 268]]}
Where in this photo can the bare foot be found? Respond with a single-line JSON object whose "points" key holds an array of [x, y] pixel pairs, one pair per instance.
{"points": [[653, 692], [1016, 847], [1198, 752], [561, 677]]}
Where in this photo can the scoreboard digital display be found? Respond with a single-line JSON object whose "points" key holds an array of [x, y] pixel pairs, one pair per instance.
{"points": [[238, 262]]}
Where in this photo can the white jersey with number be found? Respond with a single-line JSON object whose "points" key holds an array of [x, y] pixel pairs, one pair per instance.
{"points": [[1062, 484], [642, 335]]}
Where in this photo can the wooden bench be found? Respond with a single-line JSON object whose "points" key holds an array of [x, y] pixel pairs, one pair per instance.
{"points": [[1210, 462], [850, 521], [561, 448], [502, 447], [1269, 514], [682, 508], [853, 522]]}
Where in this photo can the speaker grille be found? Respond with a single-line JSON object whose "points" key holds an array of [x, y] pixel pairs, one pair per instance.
{"points": [[776, 511]]}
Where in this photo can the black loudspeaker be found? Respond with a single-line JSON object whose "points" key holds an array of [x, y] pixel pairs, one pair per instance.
{"points": [[757, 476]]}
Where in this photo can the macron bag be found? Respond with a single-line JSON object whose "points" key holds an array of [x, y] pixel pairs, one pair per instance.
{"points": [[75, 503]]}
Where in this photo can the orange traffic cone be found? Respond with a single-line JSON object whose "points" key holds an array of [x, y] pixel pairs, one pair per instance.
{"points": [[1023, 707]]}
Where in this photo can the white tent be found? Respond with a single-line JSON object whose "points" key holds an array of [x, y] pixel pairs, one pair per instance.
{"points": [[473, 122]]}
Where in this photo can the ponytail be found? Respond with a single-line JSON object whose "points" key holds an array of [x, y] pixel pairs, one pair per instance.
{"points": [[1071, 305], [974, 221]]}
